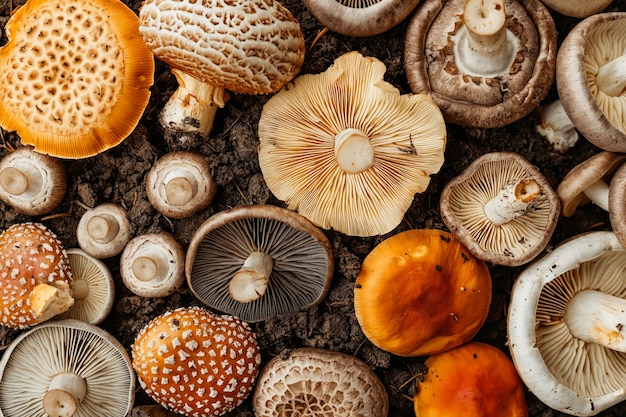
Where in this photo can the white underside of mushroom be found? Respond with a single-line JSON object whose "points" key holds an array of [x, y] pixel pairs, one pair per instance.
{"points": [[251, 281], [514, 200]]}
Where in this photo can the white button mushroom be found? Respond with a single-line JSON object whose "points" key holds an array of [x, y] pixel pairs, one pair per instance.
{"points": [[103, 231]]}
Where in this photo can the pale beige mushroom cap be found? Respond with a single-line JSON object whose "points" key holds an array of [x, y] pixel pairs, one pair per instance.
{"points": [[577, 8], [310, 381], [346, 150]]}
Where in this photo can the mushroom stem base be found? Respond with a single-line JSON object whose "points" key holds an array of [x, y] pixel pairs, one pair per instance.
{"points": [[515, 199]]}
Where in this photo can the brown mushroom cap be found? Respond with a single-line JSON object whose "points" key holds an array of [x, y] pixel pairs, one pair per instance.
{"points": [[196, 363], [35, 277], [617, 203], [76, 76], [502, 208], [588, 51], [421, 292], [310, 381], [356, 152], [469, 96], [578, 9]]}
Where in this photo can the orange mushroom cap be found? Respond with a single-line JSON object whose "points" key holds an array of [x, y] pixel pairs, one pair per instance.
{"points": [[76, 75], [421, 292], [475, 380], [35, 276], [196, 363]]}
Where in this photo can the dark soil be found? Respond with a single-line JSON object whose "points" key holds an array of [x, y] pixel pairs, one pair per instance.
{"points": [[117, 176]]}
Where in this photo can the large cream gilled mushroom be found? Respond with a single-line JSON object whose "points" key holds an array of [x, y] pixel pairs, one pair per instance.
{"points": [[76, 76], [249, 47], [346, 150]]}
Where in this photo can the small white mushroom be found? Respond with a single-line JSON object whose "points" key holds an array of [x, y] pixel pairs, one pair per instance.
{"points": [[103, 231], [557, 127]]}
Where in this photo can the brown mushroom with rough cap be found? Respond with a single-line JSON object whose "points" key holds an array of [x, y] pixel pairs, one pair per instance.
{"points": [[591, 79], [249, 47], [421, 292], [153, 265], [310, 381], [103, 231], [30, 182], [66, 368], [35, 276], [259, 261], [356, 152], [502, 208], [76, 76], [196, 363], [180, 184], [486, 63], [360, 18]]}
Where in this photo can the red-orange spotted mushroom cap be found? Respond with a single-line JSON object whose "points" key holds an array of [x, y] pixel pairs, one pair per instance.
{"points": [[196, 363], [35, 276], [421, 292]]}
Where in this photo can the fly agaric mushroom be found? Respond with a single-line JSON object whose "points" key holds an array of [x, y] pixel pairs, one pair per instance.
{"points": [[421, 292], [502, 208], [557, 127], [356, 152], [93, 289], [180, 184], [474, 379], [580, 9], [318, 382], [66, 368], [591, 79], [250, 47], [565, 325], [196, 363], [259, 261], [153, 265], [30, 182], [35, 277], [103, 231], [76, 76], [360, 18], [486, 63]]}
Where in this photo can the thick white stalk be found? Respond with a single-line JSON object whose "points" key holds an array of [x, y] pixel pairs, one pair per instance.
{"points": [[611, 77], [515, 199], [65, 392], [598, 193], [251, 281], [353, 151]]}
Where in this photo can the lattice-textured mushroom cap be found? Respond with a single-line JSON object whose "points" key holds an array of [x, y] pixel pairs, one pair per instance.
{"points": [[196, 363], [251, 47], [287, 255], [502, 208], [589, 79], [76, 76], [309, 381], [421, 292], [35, 275], [356, 151]]}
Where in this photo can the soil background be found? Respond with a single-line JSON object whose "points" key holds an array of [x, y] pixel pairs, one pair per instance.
{"points": [[117, 175]]}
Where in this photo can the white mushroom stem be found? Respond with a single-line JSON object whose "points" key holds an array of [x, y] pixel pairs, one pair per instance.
{"points": [[597, 317], [180, 190], [353, 151], [611, 77], [515, 199], [598, 193], [250, 282], [80, 290], [103, 228], [14, 181], [484, 46], [557, 127], [193, 105], [65, 392], [145, 268]]}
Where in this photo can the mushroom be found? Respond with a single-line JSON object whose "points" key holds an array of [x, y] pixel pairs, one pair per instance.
{"points": [[66, 368], [318, 382], [356, 152], [103, 231], [486, 63], [35, 276], [30, 182], [475, 379], [76, 76], [565, 325], [502, 208], [93, 289], [421, 292], [356, 18], [589, 181], [617, 203], [579, 9], [180, 184], [251, 47], [591, 79], [557, 127], [153, 265], [196, 363], [259, 261]]}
